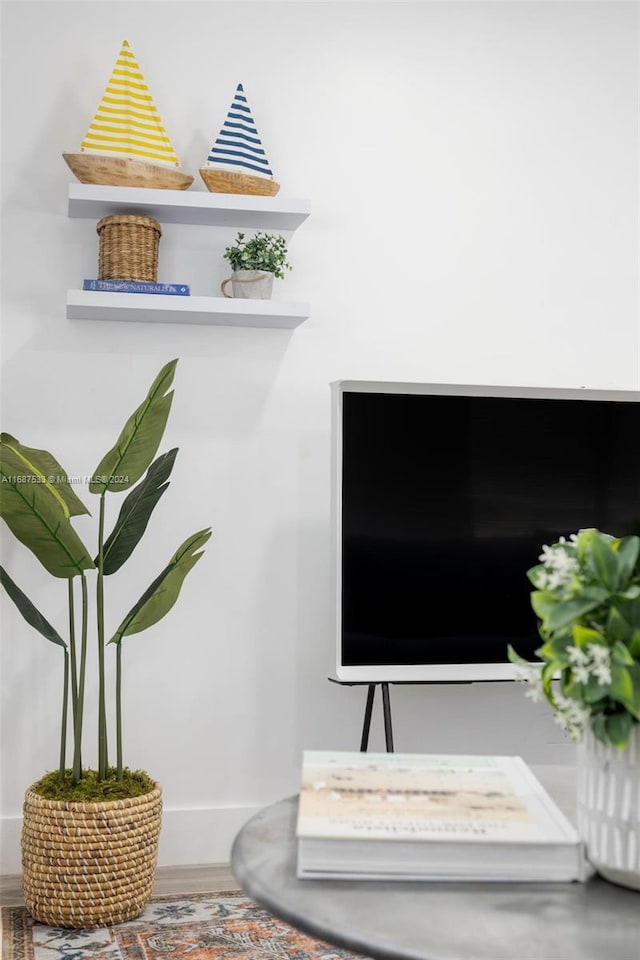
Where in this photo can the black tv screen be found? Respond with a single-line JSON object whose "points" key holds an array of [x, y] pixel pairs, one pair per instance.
{"points": [[443, 502]]}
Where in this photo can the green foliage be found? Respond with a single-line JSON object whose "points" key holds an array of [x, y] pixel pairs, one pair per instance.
{"points": [[38, 506], [264, 251], [41, 464], [134, 783], [139, 439], [33, 616], [587, 598], [135, 513], [38, 514], [161, 595]]}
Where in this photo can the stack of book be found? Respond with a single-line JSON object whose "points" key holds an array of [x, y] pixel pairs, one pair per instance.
{"points": [[431, 817], [137, 286]]}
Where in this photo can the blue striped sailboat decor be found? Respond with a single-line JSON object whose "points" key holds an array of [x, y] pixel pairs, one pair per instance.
{"points": [[126, 143], [237, 162]]}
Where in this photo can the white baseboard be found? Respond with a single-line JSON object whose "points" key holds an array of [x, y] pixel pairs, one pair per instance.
{"points": [[202, 835], [188, 836]]}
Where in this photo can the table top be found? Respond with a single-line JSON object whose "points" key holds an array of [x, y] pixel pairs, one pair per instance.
{"points": [[424, 920]]}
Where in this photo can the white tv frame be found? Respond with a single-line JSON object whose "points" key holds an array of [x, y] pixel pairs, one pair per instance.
{"points": [[437, 672]]}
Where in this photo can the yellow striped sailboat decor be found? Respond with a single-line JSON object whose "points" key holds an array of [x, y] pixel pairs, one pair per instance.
{"points": [[126, 143], [237, 162]]}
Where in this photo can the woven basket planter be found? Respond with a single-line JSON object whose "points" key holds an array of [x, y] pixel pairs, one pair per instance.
{"points": [[89, 864], [128, 247]]}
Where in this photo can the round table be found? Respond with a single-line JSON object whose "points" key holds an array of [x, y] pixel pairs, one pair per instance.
{"points": [[439, 921]]}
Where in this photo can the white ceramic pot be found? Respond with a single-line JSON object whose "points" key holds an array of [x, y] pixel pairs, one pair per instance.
{"points": [[249, 285], [608, 807]]}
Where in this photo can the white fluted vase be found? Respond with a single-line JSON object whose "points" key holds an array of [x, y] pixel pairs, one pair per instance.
{"points": [[608, 807]]}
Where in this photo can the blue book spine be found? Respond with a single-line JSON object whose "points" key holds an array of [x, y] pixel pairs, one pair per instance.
{"points": [[137, 286]]}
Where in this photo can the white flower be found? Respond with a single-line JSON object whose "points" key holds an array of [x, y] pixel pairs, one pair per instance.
{"points": [[571, 715], [556, 579], [527, 671], [560, 564], [602, 673], [577, 656], [558, 558], [532, 675], [565, 563], [581, 673], [542, 579], [600, 663], [534, 692], [592, 661], [599, 653], [547, 554]]}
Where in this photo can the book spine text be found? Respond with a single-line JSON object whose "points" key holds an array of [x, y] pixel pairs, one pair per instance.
{"points": [[137, 286]]}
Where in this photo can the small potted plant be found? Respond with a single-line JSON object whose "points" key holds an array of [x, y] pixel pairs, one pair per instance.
{"points": [[255, 262], [90, 837], [587, 599]]}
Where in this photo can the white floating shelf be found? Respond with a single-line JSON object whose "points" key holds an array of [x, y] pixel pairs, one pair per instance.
{"points": [[90, 201], [158, 308]]}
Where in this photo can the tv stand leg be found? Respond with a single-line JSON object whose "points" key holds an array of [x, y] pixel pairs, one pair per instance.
{"points": [[364, 743], [386, 709]]}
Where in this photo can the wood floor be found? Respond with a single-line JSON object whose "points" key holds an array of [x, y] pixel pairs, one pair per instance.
{"points": [[203, 878]]}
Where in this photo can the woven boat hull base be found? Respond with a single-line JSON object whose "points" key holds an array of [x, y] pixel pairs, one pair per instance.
{"points": [[223, 181], [125, 172], [88, 865]]}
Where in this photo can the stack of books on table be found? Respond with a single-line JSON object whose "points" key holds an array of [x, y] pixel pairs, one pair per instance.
{"points": [[138, 286], [393, 816]]}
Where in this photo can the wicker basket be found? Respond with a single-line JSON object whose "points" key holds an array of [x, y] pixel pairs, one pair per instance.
{"points": [[128, 247], [89, 864]]}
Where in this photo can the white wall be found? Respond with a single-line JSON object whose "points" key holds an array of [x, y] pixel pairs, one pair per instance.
{"points": [[473, 176]]}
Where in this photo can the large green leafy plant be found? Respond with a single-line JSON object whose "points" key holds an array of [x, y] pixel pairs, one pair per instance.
{"points": [[587, 599], [38, 504]]}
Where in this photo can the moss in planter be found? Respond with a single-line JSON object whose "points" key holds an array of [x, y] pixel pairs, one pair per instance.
{"points": [[134, 783]]}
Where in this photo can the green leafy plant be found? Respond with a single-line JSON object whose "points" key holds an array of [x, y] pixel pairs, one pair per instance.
{"points": [[263, 251], [38, 505], [587, 599]]}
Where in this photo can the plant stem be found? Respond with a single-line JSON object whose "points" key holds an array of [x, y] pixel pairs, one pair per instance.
{"points": [[72, 653], [63, 733], [119, 709], [76, 774], [102, 709]]}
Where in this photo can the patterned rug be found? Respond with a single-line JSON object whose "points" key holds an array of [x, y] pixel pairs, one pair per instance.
{"points": [[199, 926]]}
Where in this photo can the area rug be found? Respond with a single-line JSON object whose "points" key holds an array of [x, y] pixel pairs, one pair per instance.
{"points": [[199, 926]]}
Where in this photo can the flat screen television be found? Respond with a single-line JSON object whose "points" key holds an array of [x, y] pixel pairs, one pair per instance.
{"points": [[442, 499]]}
